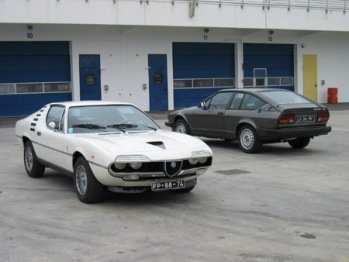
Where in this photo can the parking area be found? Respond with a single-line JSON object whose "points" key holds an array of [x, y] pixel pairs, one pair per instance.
{"points": [[278, 205]]}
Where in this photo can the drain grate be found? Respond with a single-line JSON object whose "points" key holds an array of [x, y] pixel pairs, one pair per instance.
{"points": [[232, 172]]}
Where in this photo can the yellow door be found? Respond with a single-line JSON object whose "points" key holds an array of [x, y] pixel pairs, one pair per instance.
{"points": [[310, 76]]}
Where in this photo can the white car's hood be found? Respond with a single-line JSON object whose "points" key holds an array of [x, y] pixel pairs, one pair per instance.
{"points": [[157, 143]]}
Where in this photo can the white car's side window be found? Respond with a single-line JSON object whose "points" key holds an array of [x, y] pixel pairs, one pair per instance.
{"points": [[55, 115]]}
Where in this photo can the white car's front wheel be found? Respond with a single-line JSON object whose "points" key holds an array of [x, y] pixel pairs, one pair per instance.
{"points": [[31, 163], [87, 188]]}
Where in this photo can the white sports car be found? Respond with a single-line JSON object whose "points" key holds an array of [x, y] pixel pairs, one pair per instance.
{"points": [[109, 145]]}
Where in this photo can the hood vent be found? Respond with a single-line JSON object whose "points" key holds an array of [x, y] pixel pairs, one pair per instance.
{"points": [[157, 143]]}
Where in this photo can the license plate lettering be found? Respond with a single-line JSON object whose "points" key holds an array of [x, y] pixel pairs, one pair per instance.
{"points": [[304, 119], [167, 185]]}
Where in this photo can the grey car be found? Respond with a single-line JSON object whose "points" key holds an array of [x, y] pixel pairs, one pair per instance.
{"points": [[254, 117]]}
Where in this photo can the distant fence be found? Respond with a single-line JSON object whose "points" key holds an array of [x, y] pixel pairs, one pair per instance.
{"points": [[326, 5]]}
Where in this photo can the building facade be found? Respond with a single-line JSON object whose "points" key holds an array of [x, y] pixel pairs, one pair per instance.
{"points": [[168, 54]]}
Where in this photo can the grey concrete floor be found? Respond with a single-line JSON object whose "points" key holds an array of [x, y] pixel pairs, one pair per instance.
{"points": [[278, 205]]}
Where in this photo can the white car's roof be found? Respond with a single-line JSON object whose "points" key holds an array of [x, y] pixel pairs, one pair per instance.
{"points": [[89, 103]]}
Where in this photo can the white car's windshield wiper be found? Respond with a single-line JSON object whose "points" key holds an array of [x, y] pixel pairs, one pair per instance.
{"points": [[122, 126], [90, 126], [125, 126]]}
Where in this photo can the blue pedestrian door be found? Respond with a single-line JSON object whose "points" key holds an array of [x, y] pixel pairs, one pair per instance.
{"points": [[90, 77], [158, 88]]}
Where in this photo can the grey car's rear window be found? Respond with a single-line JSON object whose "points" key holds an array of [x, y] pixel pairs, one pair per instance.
{"points": [[285, 97]]}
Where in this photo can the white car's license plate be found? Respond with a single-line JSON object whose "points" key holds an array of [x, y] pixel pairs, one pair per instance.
{"points": [[156, 186]]}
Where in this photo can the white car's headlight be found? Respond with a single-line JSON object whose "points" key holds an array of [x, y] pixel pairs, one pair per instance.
{"points": [[119, 166], [135, 165], [202, 160], [193, 161], [199, 156]]}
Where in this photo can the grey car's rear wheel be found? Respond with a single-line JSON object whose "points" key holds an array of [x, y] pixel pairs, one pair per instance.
{"points": [[248, 139], [31, 163], [87, 188], [181, 127], [299, 143]]}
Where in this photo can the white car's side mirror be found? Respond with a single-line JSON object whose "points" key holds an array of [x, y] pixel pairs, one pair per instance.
{"points": [[52, 125]]}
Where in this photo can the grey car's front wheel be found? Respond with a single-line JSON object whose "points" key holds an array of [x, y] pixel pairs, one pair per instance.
{"points": [[87, 188], [31, 163], [299, 143], [181, 127], [248, 139]]}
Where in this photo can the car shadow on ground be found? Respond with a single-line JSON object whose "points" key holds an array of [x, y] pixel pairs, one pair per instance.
{"points": [[267, 149], [55, 181], [149, 198]]}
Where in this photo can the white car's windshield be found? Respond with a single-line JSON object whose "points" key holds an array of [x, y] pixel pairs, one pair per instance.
{"points": [[108, 118], [285, 97]]}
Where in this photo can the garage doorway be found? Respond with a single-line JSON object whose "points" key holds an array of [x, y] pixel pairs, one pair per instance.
{"points": [[90, 77], [158, 86], [310, 76]]}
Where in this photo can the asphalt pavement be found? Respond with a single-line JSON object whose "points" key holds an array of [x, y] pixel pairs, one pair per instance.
{"points": [[278, 205]]}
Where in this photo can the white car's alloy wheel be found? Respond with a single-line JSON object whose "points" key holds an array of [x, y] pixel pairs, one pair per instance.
{"points": [[28, 158], [81, 180], [87, 188], [31, 163]]}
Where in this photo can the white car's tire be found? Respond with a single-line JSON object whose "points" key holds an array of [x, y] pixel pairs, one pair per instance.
{"points": [[33, 167], [87, 188]]}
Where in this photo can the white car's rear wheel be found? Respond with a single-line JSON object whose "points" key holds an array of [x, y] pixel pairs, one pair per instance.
{"points": [[87, 188], [31, 163]]}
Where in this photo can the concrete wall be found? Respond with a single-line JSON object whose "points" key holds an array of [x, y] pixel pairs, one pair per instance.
{"points": [[174, 13]]}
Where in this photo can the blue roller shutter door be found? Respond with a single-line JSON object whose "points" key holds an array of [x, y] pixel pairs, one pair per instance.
{"points": [[274, 62], [32, 62], [200, 69]]}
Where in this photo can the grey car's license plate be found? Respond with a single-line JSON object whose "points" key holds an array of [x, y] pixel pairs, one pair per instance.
{"points": [[156, 186], [305, 119]]}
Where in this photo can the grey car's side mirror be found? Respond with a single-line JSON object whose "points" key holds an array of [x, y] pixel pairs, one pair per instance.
{"points": [[203, 105]]}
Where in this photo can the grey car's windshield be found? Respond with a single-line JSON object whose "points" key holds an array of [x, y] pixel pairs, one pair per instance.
{"points": [[108, 118], [284, 97]]}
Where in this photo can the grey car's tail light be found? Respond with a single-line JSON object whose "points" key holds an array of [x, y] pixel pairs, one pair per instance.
{"points": [[323, 116]]}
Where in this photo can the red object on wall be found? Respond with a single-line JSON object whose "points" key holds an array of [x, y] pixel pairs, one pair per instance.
{"points": [[332, 95]]}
